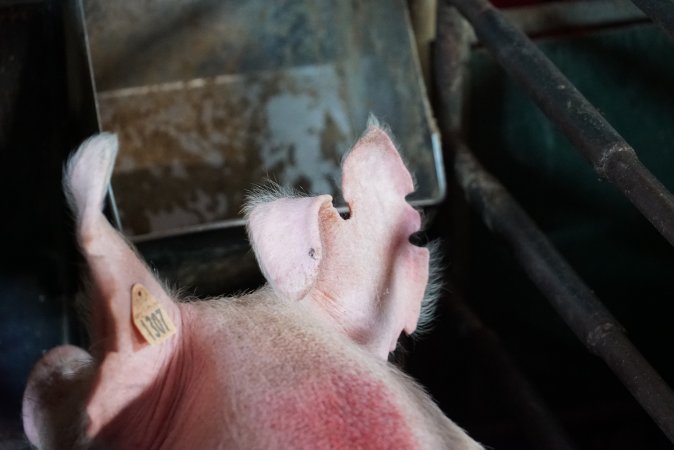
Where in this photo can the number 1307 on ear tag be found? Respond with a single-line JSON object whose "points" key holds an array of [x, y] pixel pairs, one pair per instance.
{"points": [[150, 319]]}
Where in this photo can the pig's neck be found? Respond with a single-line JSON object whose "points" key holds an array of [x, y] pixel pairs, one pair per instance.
{"points": [[293, 374], [150, 418]]}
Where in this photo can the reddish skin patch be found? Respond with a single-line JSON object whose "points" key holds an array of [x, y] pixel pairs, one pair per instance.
{"points": [[344, 410]]}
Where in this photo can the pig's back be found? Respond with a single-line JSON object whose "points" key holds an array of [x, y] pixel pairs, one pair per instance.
{"points": [[273, 375]]}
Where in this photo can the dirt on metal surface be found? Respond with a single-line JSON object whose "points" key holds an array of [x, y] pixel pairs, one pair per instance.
{"points": [[199, 144], [210, 98]]}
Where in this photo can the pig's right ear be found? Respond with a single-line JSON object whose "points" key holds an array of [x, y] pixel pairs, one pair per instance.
{"points": [[285, 236]]}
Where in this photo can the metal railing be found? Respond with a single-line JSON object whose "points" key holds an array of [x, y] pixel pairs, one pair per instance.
{"points": [[660, 11], [612, 157], [598, 141]]}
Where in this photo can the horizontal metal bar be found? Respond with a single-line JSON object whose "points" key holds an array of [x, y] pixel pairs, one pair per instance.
{"points": [[660, 12], [557, 16], [592, 323], [584, 126]]}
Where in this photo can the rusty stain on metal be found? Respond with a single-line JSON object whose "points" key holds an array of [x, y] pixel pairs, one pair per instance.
{"points": [[210, 98], [199, 143]]}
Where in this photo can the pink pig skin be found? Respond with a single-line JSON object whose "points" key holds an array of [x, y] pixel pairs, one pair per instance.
{"points": [[298, 364]]}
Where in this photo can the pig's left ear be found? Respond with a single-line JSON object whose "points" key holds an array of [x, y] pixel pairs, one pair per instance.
{"points": [[285, 235]]}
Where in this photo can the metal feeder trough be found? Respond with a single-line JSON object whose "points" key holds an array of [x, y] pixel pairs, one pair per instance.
{"points": [[210, 98]]}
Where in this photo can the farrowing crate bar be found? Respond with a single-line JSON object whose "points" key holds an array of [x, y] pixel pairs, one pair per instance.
{"points": [[661, 11], [612, 158]]}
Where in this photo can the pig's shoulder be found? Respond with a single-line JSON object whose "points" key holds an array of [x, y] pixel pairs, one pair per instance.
{"points": [[274, 367]]}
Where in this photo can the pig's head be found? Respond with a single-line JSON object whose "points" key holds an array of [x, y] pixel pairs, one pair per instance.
{"points": [[361, 271], [299, 364]]}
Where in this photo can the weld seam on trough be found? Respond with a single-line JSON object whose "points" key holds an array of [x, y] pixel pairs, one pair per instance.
{"points": [[573, 300], [660, 11], [564, 105]]}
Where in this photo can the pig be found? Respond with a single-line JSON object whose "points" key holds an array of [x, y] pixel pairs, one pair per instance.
{"points": [[300, 363]]}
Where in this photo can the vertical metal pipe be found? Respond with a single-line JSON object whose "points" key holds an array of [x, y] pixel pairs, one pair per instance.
{"points": [[592, 323], [660, 12], [584, 126]]}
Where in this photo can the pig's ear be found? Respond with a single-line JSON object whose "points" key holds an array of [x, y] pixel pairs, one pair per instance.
{"points": [[362, 272], [371, 278], [134, 324], [284, 233]]}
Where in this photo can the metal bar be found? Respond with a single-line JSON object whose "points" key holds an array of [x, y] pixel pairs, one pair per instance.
{"points": [[546, 17], [584, 126], [592, 323], [660, 12]]}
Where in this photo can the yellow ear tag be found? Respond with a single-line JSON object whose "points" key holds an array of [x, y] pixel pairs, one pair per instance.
{"points": [[149, 317]]}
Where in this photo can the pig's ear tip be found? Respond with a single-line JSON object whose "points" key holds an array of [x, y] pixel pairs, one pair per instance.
{"points": [[104, 141], [108, 139], [372, 121], [374, 125], [381, 134], [110, 136]]}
